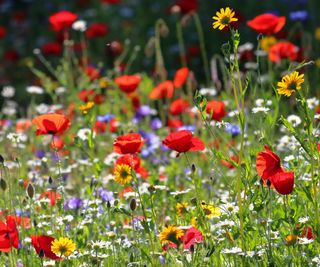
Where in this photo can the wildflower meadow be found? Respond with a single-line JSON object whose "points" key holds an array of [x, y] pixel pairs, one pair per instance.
{"points": [[179, 133]]}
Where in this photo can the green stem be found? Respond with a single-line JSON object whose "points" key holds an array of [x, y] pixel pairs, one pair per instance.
{"points": [[202, 46]]}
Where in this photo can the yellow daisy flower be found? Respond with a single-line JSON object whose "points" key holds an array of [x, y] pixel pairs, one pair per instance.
{"points": [[63, 246], [171, 233], [210, 210], [181, 208], [223, 18], [123, 174], [85, 108], [290, 83]]}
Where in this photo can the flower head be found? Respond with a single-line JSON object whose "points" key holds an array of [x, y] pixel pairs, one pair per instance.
{"points": [[223, 18], [123, 174], [290, 83], [181, 208], [51, 124], [267, 23], [183, 141], [210, 210], [128, 144], [63, 246], [85, 108], [42, 245], [171, 234]]}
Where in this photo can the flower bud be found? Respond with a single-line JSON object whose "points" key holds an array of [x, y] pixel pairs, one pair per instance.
{"points": [[133, 204], [30, 191]]}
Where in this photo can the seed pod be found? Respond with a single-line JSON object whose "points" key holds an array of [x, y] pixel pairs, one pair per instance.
{"points": [[3, 184], [133, 204], [30, 191]]}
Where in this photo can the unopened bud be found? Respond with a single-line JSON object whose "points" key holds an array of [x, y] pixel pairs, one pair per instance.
{"points": [[1, 159], [133, 204], [30, 190], [193, 168], [50, 180]]}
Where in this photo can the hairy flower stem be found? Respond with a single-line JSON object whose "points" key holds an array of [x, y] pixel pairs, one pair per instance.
{"points": [[239, 99], [182, 49], [152, 260], [159, 68], [202, 44]]}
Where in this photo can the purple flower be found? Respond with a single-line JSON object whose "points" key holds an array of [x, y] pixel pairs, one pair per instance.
{"points": [[105, 118], [233, 129], [73, 204], [105, 195], [301, 15], [155, 124]]}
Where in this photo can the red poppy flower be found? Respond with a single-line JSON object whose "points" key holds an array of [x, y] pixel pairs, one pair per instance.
{"points": [[174, 124], [283, 50], [42, 245], [11, 55], [187, 5], [183, 141], [128, 144], [191, 237], [283, 182], [267, 23], [162, 90], [62, 20], [91, 95], [128, 83], [217, 109], [180, 77], [135, 102], [114, 125], [97, 30], [9, 235], [54, 124], [24, 222], [52, 48], [3, 32], [92, 72], [269, 168], [100, 127], [267, 163], [178, 106], [52, 196]]}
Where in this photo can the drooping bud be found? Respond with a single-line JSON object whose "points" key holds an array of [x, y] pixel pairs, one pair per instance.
{"points": [[3, 184], [30, 190]]}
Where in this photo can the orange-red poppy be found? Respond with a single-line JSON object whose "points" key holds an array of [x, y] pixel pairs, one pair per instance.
{"points": [[162, 90], [62, 20], [283, 50], [128, 83], [179, 106], [128, 144], [9, 235], [55, 124], [217, 109], [183, 141], [180, 77], [267, 23]]}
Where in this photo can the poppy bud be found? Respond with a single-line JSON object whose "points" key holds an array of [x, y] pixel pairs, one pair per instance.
{"points": [[50, 180], [1, 159], [3, 184], [193, 168], [192, 248], [30, 190], [133, 204], [108, 204], [268, 183], [41, 253], [35, 223]]}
